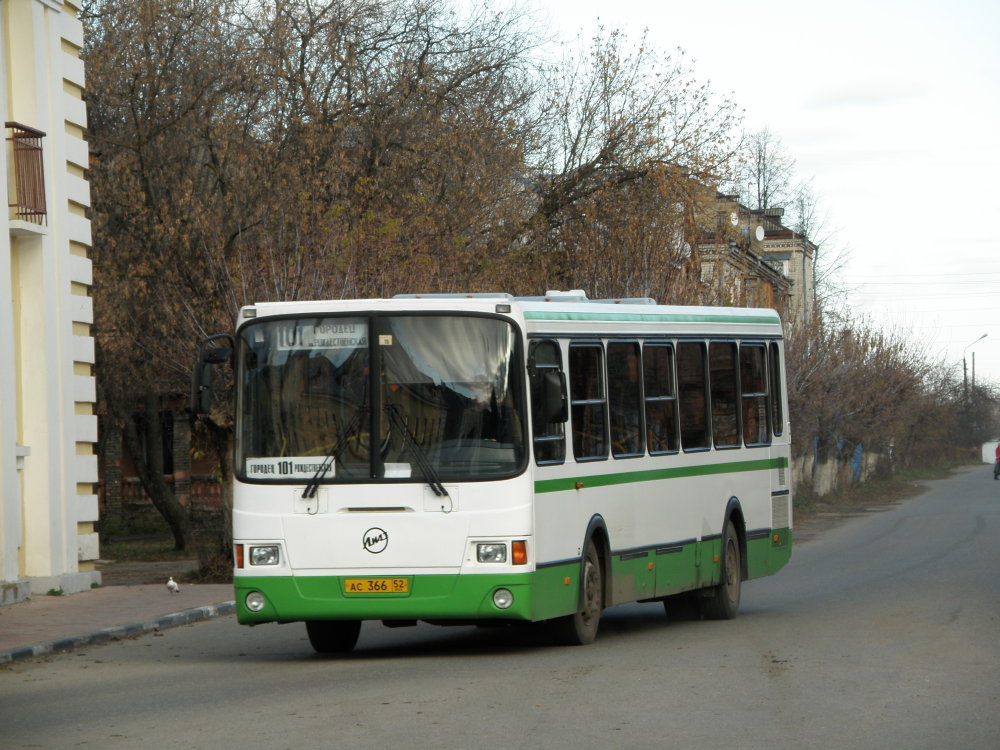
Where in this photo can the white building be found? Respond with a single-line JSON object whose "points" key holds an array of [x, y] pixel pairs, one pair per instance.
{"points": [[48, 427]]}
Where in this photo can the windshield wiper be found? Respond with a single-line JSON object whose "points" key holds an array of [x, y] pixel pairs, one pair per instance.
{"points": [[331, 458], [426, 467]]}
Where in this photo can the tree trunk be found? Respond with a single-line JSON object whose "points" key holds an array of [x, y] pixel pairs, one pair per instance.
{"points": [[149, 468]]}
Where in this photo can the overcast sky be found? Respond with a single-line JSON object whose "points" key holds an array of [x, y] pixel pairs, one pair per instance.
{"points": [[893, 109]]}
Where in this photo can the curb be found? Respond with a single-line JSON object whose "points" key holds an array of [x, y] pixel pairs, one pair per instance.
{"points": [[117, 632]]}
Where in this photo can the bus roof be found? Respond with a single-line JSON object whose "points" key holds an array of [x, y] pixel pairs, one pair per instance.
{"points": [[554, 312]]}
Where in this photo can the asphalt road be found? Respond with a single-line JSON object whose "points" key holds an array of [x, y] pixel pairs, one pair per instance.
{"points": [[882, 632]]}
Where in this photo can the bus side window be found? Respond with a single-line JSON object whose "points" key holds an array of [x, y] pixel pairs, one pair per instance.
{"points": [[661, 398], [693, 395], [753, 379], [625, 400], [548, 402], [776, 393], [588, 402], [723, 376]]}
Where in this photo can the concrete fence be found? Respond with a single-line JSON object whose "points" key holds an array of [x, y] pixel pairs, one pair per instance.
{"points": [[848, 465]]}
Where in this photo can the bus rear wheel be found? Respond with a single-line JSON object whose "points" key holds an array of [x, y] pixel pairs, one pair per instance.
{"points": [[723, 603], [333, 636], [580, 628]]}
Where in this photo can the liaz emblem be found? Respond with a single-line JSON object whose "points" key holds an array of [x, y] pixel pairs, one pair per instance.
{"points": [[375, 540]]}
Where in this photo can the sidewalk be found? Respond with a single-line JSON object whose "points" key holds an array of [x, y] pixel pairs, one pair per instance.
{"points": [[50, 624]]}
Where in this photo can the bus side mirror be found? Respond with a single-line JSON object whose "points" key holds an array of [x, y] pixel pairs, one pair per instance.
{"points": [[553, 407], [209, 357], [201, 388], [218, 355]]}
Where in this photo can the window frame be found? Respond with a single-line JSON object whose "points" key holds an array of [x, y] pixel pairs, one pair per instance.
{"points": [[715, 392], [671, 396], [639, 403], [706, 443], [746, 395], [776, 412], [557, 436], [578, 404], [373, 404]]}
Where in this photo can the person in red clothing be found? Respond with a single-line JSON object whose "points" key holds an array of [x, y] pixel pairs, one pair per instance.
{"points": [[996, 466]]}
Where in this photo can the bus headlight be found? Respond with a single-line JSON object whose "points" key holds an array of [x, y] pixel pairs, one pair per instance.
{"points": [[255, 601], [264, 555], [491, 552], [503, 598]]}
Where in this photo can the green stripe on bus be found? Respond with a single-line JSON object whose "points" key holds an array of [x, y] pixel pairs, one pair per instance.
{"points": [[538, 595], [443, 596], [652, 475], [652, 317]]}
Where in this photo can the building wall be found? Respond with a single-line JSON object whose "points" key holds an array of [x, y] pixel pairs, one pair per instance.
{"points": [[48, 426], [795, 255], [734, 262]]}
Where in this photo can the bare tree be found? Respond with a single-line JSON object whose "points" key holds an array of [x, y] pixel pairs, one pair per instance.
{"points": [[622, 121], [853, 383], [154, 69], [807, 216], [246, 151], [765, 176]]}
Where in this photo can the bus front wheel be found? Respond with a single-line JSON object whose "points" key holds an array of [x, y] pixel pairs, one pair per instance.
{"points": [[580, 628], [723, 603], [333, 636]]}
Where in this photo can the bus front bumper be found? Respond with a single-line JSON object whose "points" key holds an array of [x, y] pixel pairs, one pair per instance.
{"points": [[261, 599]]}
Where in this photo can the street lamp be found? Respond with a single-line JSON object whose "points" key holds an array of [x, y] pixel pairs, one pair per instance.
{"points": [[965, 377]]}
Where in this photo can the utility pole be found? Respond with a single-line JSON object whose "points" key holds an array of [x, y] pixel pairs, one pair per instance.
{"points": [[965, 377]]}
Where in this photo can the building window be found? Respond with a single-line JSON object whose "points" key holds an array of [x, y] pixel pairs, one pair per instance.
{"points": [[28, 188]]}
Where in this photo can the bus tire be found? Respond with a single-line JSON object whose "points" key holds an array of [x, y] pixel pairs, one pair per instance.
{"points": [[333, 636], [580, 628], [723, 601]]}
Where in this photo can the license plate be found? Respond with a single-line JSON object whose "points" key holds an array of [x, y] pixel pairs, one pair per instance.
{"points": [[376, 585]]}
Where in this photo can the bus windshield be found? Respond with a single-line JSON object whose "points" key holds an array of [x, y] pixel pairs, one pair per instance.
{"points": [[447, 403]]}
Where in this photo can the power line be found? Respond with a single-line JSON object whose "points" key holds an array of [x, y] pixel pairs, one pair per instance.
{"points": [[925, 297], [927, 275], [935, 282]]}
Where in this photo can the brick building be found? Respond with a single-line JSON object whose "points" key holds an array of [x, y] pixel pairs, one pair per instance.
{"points": [[748, 258]]}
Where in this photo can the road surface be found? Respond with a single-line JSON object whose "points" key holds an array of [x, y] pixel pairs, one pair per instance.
{"points": [[884, 631]]}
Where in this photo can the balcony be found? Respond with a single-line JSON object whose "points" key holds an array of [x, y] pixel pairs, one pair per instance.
{"points": [[28, 188]]}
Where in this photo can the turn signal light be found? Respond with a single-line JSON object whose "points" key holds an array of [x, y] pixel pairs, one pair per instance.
{"points": [[239, 555], [519, 552]]}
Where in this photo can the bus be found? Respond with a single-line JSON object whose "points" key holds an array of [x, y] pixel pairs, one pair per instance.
{"points": [[491, 459]]}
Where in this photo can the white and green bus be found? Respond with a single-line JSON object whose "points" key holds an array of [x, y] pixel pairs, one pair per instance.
{"points": [[481, 458]]}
